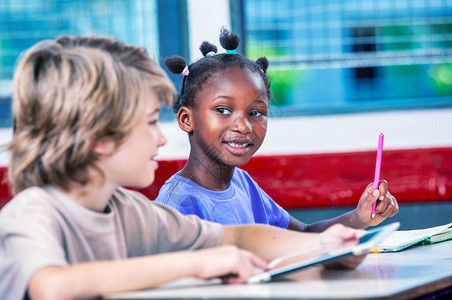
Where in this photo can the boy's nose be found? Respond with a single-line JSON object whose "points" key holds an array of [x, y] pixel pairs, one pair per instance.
{"points": [[161, 138]]}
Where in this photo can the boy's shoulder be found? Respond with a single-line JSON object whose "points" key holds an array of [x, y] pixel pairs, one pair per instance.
{"points": [[125, 197], [31, 206], [28, 199], [48, 200]]}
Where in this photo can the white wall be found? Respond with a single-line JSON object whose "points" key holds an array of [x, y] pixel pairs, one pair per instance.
{"points": [[408, 129], [205, 19]]}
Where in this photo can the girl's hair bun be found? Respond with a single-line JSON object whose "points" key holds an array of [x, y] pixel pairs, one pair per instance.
{"points": [[207, 47], [263, 63], [229, 40], [175, 64]]}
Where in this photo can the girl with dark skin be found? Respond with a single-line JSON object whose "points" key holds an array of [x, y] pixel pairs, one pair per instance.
{"points": [[223, 106]]}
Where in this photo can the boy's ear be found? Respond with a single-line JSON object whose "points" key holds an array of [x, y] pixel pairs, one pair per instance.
{"points": [[105, 146], [185, 119]]}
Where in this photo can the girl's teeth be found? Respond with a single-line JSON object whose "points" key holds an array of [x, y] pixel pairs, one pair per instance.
{"points": [[237, 145]]}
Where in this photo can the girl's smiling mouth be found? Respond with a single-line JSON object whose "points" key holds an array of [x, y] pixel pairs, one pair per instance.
{"points": [[239, 147]]}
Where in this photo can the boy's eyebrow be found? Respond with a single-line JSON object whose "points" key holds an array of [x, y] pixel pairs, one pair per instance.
{"points": [[155, 111]]}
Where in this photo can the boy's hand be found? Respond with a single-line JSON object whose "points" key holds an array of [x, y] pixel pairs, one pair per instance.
{"points": [[231, 264], [387, 205], [338, 236]]}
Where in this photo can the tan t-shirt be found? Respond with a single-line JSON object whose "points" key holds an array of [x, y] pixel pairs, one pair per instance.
{"points": [[43, 227]]}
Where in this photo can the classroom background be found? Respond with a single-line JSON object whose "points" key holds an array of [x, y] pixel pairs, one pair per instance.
{"points": [[342, 72]]}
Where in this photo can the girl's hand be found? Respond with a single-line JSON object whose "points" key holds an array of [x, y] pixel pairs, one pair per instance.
{"points": [[337, 237], [387, 206], [231, 264]]}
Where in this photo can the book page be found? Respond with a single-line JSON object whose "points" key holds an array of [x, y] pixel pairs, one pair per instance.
{"points": [[403, 238], [439, 237]]}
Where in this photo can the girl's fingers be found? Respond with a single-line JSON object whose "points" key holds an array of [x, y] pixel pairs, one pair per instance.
{"points": [[383, 187], [388, 207]]}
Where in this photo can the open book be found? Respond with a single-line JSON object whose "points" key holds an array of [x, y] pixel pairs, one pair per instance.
{"points": [[403, 239]]}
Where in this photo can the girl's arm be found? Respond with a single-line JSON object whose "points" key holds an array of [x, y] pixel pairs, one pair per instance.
{"points": [[344, 219], [106, 277], [360, 217]]}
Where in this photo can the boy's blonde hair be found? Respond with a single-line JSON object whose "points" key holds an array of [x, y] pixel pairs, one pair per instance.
{"points": [[69, 94]]}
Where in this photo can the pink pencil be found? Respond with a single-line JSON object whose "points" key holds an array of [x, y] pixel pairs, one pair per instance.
{"points": [[377, 169]]}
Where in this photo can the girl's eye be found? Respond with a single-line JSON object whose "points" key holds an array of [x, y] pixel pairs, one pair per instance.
{"points": [[256, 113], [153, 122], [223, 111]]}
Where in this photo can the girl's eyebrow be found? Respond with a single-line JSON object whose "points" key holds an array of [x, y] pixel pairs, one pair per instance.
{"points": [[261, 101], [229, 97], [222, 97]]}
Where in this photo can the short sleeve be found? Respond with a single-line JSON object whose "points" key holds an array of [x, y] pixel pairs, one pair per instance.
{"points": [[265, 209], [29, 241], [277, 216], [184, 197], [158, 228]]}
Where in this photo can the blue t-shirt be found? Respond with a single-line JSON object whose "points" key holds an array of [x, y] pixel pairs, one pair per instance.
{"points": [[243, 202]]}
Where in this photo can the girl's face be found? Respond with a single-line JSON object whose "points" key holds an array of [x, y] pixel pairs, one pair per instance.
{"points": [[230, 117], [133, 163]]}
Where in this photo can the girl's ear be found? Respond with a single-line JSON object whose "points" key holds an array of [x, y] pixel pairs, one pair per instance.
{"points": [[185, 119], [105, 146]]}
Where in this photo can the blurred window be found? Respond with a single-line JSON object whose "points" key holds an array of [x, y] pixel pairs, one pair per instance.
{"points": [[332, 56], [25, 22]]}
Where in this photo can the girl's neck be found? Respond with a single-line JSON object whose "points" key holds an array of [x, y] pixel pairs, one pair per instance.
{"points": [[212, 176]]}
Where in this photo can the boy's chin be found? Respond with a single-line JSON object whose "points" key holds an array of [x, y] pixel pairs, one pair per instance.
{"points": [[142, 184]]}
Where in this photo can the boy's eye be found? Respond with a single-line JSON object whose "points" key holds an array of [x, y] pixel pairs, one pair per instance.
{"points": [[223, 111]]}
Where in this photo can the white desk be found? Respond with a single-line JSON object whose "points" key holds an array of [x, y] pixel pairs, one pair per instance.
{"points": [[416, 271]]}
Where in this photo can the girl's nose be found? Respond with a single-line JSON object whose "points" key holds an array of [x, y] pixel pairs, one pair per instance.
{"points": [[242, 124]]}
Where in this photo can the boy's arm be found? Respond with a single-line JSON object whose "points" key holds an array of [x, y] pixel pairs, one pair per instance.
{"points": [[271, 242], [106, 277], [234, 257]]}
